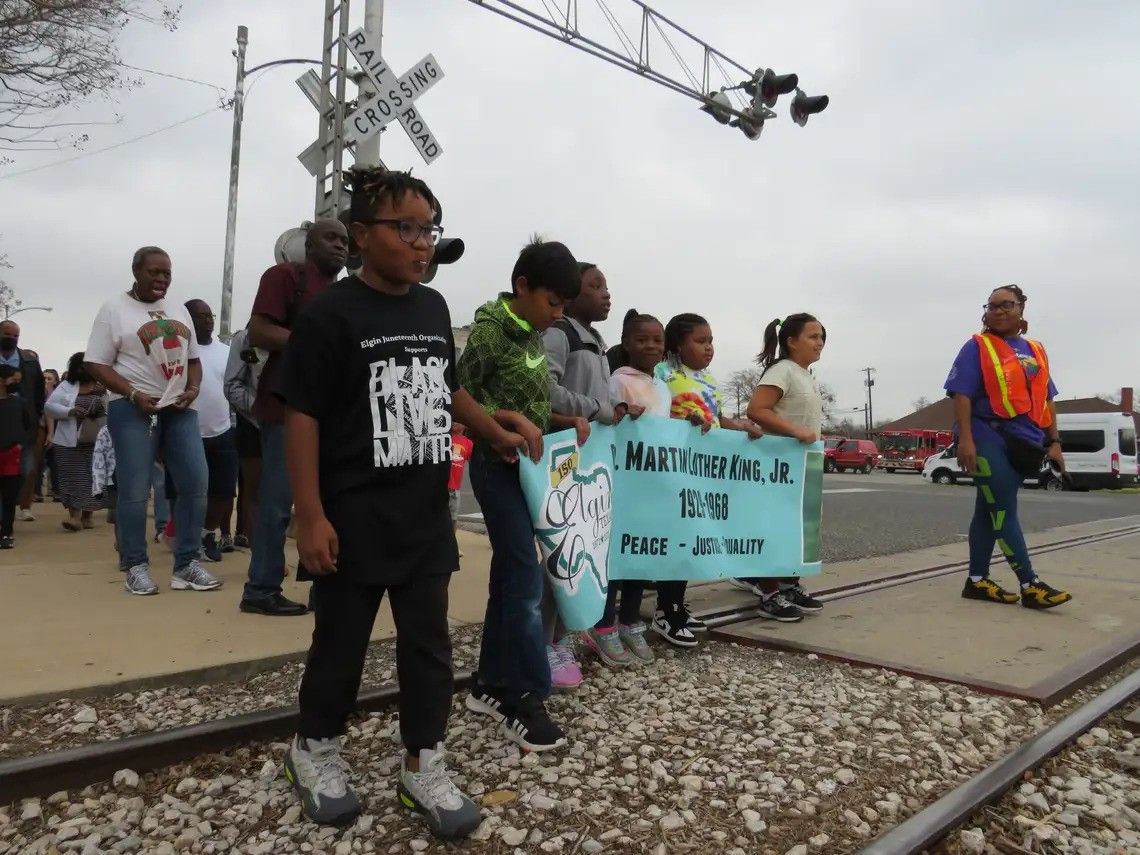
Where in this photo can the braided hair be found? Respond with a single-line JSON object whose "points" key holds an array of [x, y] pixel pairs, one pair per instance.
{"points": [[372, 185], [776, 336], [618, 356], [676, 331], [1022, 299]]}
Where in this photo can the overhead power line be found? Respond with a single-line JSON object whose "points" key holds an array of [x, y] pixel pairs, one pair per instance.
{"points": [[84, 154]]}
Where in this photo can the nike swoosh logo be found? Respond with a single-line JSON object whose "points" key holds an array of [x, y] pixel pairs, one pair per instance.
{"points": [[534, 363]]}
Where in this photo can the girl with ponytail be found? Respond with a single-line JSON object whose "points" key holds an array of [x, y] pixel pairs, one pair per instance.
{"points": [[788, 403]]}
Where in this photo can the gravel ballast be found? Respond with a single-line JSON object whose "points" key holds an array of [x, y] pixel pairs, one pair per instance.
{"points": [[724, 749]]}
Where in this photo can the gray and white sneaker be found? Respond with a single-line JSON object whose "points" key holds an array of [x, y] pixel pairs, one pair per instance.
{"points": [[431, 793], [139, 581], [194, 577], [634, 639], [317, 772]]}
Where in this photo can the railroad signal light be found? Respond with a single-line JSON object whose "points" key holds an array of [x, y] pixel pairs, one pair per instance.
{"points": [[804, 106], [717, 105], [766, 86], [750, 127]]}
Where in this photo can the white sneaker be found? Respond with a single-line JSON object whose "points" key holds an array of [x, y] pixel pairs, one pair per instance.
{"points": [[194, 577], [25, 515], [138, 581], [317, 772], [431, 793]]}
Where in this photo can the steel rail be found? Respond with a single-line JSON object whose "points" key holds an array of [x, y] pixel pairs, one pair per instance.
{"points": [[44, 774], [933, 823]]}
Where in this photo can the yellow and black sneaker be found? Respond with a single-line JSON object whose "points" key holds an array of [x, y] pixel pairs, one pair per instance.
{"points": [[989, 590], [1038, 595]]}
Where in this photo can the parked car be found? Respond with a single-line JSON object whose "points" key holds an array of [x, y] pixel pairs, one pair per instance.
{"points": [[830, 443], [860, 454], [1100, 453], [943, 468]]}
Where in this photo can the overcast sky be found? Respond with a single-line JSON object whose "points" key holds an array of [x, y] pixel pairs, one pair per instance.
{"points": [[966, 145]]}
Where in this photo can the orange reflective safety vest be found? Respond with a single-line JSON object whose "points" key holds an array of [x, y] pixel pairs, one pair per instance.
{"points": [[1010, 391]]}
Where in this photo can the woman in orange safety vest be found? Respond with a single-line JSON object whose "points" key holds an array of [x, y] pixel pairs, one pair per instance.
{"points": [[1006, 427]]}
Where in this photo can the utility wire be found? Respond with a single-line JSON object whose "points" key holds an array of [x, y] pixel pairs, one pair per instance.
{"points": [[174, 77], [82, 155]]}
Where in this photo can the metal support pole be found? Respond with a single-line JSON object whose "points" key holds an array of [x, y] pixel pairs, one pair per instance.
{"points": [[368, 151], [231, 207]]}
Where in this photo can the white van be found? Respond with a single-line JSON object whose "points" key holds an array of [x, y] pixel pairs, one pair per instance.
{"points": [[1100, 453]]}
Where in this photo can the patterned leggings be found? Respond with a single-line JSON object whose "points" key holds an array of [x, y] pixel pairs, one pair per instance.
{"points": [[995, 520]]}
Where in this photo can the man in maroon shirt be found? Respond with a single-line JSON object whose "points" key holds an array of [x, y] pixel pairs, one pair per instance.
{"points": [[283, 292]]}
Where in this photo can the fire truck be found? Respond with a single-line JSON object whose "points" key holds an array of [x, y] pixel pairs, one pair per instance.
{"points": [[909, 449]]}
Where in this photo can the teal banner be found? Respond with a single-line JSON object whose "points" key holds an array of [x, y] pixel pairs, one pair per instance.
{"points": [[656, 499]]}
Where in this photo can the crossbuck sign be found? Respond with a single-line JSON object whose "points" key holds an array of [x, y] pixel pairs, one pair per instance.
{"points": [[393, 101]]}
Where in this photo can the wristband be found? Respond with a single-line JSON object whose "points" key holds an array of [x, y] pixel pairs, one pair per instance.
{"points": [[1052, 441], [193, 389], [131, 396]]}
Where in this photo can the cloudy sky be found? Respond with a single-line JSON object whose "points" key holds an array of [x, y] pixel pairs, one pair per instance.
{"points": [[966, 145]]}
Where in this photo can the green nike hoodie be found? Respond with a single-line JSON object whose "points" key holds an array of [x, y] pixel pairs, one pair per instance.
{"points": [[503, 366]]}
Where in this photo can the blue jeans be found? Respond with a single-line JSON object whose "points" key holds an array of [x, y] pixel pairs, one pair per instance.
{"points": [[161, 506], [274, 506], [995, 514], [175, 435], [513, 652]]}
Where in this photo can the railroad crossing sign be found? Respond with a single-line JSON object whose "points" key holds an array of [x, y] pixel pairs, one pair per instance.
{"points": [[393, 101]]}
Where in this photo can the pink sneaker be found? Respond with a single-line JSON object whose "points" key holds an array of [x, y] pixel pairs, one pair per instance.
{"points": [[565, 673]]}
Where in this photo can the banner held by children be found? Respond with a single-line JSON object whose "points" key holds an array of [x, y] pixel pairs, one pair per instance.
{"points": [[656, 499]]}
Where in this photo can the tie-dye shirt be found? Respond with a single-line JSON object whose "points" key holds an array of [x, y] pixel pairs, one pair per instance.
{"points": [[694, 393]]}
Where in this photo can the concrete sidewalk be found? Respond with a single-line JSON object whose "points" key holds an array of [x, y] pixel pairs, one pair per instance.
{"points": [[68, 626]]}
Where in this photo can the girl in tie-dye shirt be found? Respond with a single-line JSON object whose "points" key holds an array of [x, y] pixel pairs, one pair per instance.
{"points": [[696, 398]]}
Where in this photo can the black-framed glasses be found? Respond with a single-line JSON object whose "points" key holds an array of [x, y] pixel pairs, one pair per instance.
{"points": [[1004, 306], [410, 230]]}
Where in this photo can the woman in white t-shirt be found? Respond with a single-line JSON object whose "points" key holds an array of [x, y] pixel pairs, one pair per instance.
{"points": [[142, 348], [788, 403]]}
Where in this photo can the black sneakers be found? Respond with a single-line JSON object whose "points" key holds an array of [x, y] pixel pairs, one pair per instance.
{"points": [[987, 590], [672, 624], [486, 700], [211, 551], [1038, 595], [777, 607], [528, 724], [7, 543], [802, 600], [694, 623]]}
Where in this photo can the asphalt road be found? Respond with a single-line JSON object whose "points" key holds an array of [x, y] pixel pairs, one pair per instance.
{"points": [[898, 512]]}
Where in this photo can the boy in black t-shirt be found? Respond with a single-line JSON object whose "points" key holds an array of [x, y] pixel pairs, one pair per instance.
{"points": [[369, 380]]}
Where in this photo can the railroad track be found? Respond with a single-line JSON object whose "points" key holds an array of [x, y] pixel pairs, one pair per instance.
{"points": [[41, 775]]}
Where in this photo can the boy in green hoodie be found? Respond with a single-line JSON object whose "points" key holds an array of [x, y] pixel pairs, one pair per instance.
{"points": [[504, 368]]}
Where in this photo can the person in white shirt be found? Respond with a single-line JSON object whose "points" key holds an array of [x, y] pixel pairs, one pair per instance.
{"points": [[215, 423], [142, 350]]}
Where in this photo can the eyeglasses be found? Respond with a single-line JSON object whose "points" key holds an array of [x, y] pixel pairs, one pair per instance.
{"points": [[410, 230], [1003, 306]]}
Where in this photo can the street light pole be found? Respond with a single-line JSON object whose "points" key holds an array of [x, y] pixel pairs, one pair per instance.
{"points": [[869, 383], [231, 208], [8, 312]]}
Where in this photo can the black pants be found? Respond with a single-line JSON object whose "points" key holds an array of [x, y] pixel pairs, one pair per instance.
{"points": [[9, 495], [629, 612], [345, 611], [670, 594]]}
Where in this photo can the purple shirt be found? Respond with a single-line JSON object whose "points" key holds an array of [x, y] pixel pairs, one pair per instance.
{"points": [[965, 378]]}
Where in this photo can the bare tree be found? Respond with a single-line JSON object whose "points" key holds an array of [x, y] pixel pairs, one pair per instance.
{"points": [[741, 384], [920, 403], [54, 53], [828, 395]]}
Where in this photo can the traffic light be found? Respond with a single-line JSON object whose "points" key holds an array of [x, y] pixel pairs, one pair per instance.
{"points": [[807, 105], [716, 104]]}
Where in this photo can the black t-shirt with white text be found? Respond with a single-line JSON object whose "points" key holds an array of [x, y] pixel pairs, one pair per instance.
{"points": [[377, 372]]}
